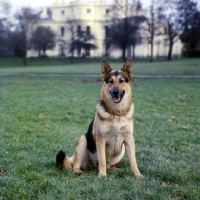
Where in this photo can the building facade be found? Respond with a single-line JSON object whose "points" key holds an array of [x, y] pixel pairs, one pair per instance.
{"points": [[66, 19]]}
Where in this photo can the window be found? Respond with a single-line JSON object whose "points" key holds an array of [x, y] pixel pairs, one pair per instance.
{"points": [[62, 31], [62, 12], [88, 10], [165, 30], [62, 50], [88, 30], [107, 11]]}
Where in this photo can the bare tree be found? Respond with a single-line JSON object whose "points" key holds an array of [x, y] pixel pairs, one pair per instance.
{"points": [[71, 41], [124, 28], [25, 17], [153, 26], [45, 41], [168, 15], [78, 40], [172, 36], [5, 32], [85, 40], [152, 30]]}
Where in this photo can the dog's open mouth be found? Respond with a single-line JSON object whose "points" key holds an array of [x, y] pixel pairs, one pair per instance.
{"points": [[117, 96], [117, 99]]}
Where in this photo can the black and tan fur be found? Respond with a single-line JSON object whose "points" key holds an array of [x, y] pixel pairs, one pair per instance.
{"points": [[110, 134]]}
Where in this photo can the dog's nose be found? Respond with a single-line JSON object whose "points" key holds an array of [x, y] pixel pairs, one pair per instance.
{"points": [[115, 91]]}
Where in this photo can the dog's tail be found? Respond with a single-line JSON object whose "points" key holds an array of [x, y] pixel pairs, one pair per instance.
{"points": [[62, 161]]}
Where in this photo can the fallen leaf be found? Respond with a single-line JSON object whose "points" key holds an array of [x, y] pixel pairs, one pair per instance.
{"points": [[185, 127], [176, 185], [169, 120], [26, 147], [142, 155], [41, 116], [173, 117], [150, 125], [2, 172], [165, 183]]}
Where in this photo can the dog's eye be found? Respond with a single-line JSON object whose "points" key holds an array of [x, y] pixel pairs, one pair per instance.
{"points": [[121, 81], [111, 82]]}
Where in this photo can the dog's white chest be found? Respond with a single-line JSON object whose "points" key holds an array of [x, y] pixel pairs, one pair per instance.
{"points": [[114, 133], [116, 128]]}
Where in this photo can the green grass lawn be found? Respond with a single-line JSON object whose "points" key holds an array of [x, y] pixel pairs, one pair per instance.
{"points": [[85, 66], [41, 115]]}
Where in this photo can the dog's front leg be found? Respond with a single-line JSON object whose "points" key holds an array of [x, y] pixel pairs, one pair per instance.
{"points": [[101, 151], [130, 151]]}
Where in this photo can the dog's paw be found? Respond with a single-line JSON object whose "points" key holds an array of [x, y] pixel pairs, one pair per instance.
{"points": [[140, 176], [102, 175], [77, 172]]}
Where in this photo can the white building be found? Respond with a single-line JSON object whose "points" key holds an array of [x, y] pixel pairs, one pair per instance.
{"points": [[94, 17]]}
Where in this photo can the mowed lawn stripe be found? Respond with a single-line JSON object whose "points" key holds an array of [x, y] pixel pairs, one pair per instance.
{"points": [[178, 66]]}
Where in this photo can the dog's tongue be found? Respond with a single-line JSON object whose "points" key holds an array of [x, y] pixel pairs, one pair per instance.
{"points": [[116, 99]]}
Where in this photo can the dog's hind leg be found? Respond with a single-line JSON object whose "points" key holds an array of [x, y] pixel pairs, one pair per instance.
{"points": [[79, 154], [64, 162]]}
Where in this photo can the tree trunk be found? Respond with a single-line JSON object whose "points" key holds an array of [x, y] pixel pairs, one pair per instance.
{"points": [[44, 53], [133, 55], [25, 49], [170, 35], [151, 55], [124, 53], [72, 56], [170, 51], [24, 59], [39, 53], [152, 34], [72, 59]]}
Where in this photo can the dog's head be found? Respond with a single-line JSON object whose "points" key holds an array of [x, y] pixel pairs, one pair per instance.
{"points": [[117, 85]]}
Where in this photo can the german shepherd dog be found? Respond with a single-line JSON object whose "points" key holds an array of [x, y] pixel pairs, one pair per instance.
{"points": [[110, 133]]}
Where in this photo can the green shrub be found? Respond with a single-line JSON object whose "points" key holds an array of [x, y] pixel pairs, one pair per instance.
{"points": [[191, 53]]}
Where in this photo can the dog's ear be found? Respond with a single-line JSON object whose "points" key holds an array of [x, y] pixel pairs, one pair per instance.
{"points": [[127, 68], [106, 69]]}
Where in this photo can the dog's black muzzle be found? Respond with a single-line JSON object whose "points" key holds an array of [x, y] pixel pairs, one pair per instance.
{"points": [[117, 95]]}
